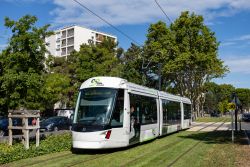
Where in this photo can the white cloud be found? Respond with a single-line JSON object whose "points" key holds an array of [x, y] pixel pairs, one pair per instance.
{"points": [[120, 12], [227, 44], [242, 41], [242, 38], [238, 64], [26, 1]]}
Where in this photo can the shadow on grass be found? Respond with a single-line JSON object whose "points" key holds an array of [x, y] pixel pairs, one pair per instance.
{"points": [[99, 151], [218, 137], [108, 150]]}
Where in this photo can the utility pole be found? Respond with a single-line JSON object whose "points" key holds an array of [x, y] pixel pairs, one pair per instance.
{"points": [[237, 102], [235, 112]]}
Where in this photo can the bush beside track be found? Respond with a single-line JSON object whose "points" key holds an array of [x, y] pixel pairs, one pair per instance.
{"points": [[51, 144]]}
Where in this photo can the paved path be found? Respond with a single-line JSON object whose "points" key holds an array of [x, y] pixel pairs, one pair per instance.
{"points": [[220, 126]]}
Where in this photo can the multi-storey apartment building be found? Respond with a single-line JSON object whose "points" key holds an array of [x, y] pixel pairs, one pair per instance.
{"points": [[67, 39]]}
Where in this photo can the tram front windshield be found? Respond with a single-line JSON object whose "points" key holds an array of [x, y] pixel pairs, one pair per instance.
{"points": [[95, 107]]}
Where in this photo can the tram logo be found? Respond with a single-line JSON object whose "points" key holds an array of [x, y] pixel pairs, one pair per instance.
{"points": [[96, 82]]}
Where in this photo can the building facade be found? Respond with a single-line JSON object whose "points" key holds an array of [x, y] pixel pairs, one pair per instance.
{"points": [[67, 39]]}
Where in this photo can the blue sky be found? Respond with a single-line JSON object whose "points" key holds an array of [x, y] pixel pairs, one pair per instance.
{"points": [[229, 19]]}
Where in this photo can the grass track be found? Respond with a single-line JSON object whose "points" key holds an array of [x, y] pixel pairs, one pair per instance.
{"points": [[213, 119], [213, 149]]}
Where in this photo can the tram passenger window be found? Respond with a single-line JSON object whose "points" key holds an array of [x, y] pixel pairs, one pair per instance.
{"points": [[171, 112], [146, 108], [117, 117], [187, 111]]}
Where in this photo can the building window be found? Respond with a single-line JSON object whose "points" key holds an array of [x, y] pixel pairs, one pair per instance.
{"points": [[70, 41], [100, 37], [64, 34], [70, 32], [90, 41], [63, 51], [70, 49], [64, 42]]}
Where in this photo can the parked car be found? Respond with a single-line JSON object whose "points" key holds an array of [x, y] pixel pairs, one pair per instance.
{"points": [[246, 117], [3, 126], [214, 114], [55, 123], [65, 112], [4, 123]]}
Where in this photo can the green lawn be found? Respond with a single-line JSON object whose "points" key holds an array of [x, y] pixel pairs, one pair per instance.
{"points": [[179, 149], [213, 119]]}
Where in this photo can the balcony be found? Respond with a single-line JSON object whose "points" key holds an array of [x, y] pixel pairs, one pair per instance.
{"points": [[64, 34], [58, 39], [100, 37], [63, 42], [70, 49], [70, 32], [70, 41], [63, 51]]}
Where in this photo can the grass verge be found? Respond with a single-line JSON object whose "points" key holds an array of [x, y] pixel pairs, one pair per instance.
{"points": [[180, 149], [213, 119]]}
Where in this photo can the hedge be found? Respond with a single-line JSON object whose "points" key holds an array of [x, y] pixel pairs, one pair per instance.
{"points": [[53, 143]]}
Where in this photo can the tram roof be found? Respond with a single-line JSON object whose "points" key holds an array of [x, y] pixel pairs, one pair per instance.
{"points": [[119, 83], [110, 82], [115, 82], [165, 95]]}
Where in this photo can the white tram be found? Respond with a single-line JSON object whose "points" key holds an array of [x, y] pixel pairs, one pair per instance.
{"points": [[112, 112]]}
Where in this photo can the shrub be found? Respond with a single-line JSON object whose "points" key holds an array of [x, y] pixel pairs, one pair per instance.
{"points": [[53, 143]]}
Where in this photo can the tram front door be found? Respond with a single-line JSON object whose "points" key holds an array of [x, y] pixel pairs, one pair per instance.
{"points": [[135, 126]]}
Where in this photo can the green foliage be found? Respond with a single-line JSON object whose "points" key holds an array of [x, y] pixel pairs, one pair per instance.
{"points": [[51, 144], [195, 60], [132, 69], [188, 52], [222, 106], [224, 92], [22, 64], [244, 97], [95, 60], [55, 89], [66, 74], [217, 96]]}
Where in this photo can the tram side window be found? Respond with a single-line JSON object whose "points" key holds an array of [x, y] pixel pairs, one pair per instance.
{"points": [[117, 117], [187, 111], [146, 107], [165, 110], [171, 112]]}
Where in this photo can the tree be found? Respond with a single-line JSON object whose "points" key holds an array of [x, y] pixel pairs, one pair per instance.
{"points": [[225, 92], [189, 53], [56, 88], [244, 96], [96, 60], [222, 106], [218, 96], [61, 76], [156, 51], [196, 60], [132, 65], [22, 64]]}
